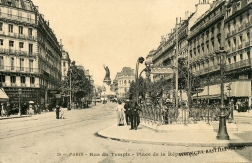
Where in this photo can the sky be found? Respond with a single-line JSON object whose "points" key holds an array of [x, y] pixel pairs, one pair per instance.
{"points": [[113, 33]]}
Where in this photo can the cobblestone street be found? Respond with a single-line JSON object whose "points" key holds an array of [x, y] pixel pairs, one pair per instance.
{"points": [[42, 138]]}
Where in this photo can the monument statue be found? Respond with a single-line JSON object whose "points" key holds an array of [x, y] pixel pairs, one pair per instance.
{"points": [[107, 79]]}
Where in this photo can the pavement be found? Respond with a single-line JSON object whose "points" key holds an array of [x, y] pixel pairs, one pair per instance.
{"points": [[200, 134]]}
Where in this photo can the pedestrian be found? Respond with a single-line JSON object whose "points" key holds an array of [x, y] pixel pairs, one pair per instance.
{"points": [[120, 113], [127, 112], [68, 106], [61, 112], [30, 110], [57, 110], [134, 118], [8, 111], [2, 110], [36, 109]]}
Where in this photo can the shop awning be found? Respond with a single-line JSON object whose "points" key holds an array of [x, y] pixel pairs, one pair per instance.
{"points": [[238, 89], [217, 96], [3, 95]]}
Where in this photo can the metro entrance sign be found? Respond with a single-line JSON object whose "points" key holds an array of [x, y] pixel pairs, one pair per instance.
{"points": [[161, 70]]}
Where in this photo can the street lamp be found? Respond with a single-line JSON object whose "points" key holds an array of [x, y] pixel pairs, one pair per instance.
{"points": [[139, 60], [19, 108], [230, 107], [222, 133]]}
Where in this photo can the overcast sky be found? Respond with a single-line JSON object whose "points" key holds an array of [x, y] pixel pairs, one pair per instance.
{"points": [[111, 32]]}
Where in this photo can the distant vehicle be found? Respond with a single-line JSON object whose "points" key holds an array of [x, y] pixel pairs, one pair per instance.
{"points": [[113, 100], [98, 100]]}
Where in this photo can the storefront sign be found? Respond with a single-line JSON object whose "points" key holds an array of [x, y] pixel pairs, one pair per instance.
{"points": [[161, 70]]}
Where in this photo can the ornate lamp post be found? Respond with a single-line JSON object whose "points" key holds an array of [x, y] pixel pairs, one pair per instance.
{"points": [[139, 60], [222, 133], [19, 107], [229, 102]]}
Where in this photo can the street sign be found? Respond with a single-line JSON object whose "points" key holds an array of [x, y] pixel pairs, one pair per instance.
{"points": [[161, 70]]}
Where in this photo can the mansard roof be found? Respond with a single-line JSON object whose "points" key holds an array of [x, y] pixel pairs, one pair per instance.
{"points": [[21, 4]]}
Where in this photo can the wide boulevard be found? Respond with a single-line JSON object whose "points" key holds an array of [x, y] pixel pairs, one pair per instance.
{"points": [[43, 138]]}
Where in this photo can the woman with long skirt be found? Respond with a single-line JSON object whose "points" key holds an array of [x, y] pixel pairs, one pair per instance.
{"points": [[120, 114]]}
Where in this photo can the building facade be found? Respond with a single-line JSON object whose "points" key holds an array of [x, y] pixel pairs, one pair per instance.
{"points": [[225, 25], [65, 61], [165, 54], [30, 56], [205, 40], [124, 79], [237, 32]]}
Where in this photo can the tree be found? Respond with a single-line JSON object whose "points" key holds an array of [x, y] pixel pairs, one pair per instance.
{"points": [[142, 88], [99, 90], [80, 84]]}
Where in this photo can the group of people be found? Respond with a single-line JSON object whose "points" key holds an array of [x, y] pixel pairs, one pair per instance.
{"points": [[128, 114], [59, 112], [8, 109]]}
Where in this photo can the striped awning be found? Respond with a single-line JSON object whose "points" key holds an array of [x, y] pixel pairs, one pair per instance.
{"points": [[3, 95]]}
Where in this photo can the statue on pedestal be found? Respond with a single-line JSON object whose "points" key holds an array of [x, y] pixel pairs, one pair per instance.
{"points": [[107, 79]]}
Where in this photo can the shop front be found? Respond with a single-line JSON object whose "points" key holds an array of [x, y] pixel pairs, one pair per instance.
{"points": [[235, 91]]}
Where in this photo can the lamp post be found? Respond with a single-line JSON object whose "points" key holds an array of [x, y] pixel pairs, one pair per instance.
{"points": [[139, 60], [229, 102], [19, 107], [222, 133]]}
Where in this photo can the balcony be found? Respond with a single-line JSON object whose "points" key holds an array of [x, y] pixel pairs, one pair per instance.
{"points": [[239, 46], [29, 37], [18, 18], [13, 84], [23, 85], [240, 64], [20, 69], [11, 51], [11, 34], [203, 26], [21, 36], [233, 49]]}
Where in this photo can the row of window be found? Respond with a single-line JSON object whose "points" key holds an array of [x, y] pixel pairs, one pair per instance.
{"points": [[13, 79], [12, 63], [19, 12], [20, 29], [21, 45], [213, 62], [124, 82]]}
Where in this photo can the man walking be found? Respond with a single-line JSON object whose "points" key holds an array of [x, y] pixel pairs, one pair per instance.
{"points": [[127, 112], [57, 111], [134, 115]]}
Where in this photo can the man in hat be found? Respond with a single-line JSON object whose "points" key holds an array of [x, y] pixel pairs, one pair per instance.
{"points": [[127, 111], [57, 111], [134, 115]]}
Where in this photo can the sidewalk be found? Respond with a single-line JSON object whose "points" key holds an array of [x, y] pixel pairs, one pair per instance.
{"points": [[43, 112], [181, 135], [14, 116]]}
